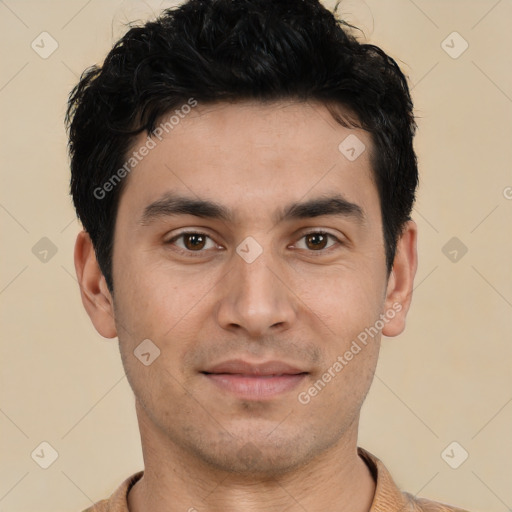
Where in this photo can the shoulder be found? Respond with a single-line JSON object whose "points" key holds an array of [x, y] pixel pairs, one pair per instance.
{"points": [[118, 501], [425, 505], [388, 497], [100, 506]]}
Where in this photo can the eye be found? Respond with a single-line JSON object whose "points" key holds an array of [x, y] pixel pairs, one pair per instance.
{"points": [[197, 242], [192, 241], [317, 241]]}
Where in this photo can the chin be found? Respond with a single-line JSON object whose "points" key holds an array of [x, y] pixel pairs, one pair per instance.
{"points": [[252, 462], [260, 455]]}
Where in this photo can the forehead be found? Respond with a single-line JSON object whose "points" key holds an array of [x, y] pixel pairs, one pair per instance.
{"points": [[252, 154]]}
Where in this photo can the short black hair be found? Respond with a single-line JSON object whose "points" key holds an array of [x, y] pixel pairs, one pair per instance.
{"points": [[230, 50]]}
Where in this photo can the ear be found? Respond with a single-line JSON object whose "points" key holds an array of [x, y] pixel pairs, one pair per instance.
{"points": [[96, 296], [401, 281]]}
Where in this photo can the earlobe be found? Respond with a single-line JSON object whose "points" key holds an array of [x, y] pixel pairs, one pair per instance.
{"points": [[96, 296], [401, 281]]}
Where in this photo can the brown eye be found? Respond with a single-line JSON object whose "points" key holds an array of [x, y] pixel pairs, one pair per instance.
{"points": [[192, 241], [317, 241]]}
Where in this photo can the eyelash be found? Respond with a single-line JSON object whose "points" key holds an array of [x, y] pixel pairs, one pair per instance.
{"points": [[200, 252]]}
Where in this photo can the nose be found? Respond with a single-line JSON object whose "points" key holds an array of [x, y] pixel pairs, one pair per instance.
{"points": [[256, 297]]}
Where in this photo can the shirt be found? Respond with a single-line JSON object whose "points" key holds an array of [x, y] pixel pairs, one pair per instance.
{"points": [[387, 497]]}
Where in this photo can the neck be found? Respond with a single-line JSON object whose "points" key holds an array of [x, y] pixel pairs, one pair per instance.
{"points": [[175, 480]]}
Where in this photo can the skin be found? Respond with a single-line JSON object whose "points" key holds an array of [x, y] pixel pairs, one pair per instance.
{"points": [[300, 301]]}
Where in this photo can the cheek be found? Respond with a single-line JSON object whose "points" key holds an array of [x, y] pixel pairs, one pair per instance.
{"points": [[158, 298], [344, 301]]}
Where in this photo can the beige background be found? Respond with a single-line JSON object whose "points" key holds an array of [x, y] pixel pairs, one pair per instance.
{"points": [[447, 378]]}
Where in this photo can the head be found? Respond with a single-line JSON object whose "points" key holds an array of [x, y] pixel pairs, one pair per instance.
{"points": [[244, 173]]}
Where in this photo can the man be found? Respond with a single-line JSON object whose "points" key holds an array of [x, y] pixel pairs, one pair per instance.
{"points": [[244, 172]]}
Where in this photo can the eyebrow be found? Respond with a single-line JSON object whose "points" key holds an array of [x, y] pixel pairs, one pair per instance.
{"points": [[172, 205]]}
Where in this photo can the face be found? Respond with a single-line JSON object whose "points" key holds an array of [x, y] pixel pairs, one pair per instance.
{"points": [[248, 249]]}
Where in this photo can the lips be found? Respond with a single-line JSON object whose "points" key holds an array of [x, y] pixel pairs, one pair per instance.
{"points": [[254, 381], [241, 367]]}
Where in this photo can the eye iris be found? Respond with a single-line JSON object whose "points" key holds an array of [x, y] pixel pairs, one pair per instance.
{"points": [[318, 240], [194, 241]]}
